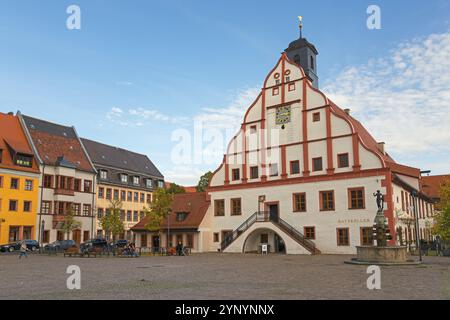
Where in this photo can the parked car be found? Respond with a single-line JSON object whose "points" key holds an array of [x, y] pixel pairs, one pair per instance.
{"points": [[120, 243], [94, 243], [32, 245], [59, 245]]}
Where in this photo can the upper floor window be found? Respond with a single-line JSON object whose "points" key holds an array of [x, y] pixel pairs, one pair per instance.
{"points": [[299, 202], [273, 169], [235, 174], [87, 185], [356, 198], [219, 207], [77, 185], [14, 183], [1, 182], [254, 172], [317, 164], [291, 87], [124, 178], [116, 194], [103, 174], [101, 192], [48, 181], [295, 167], [343, 160], [24, 160], [136, 180], [108, 194], [29, 185], [149, 183], [236, 207], [275, 91], [326, 200], [316, 116]]}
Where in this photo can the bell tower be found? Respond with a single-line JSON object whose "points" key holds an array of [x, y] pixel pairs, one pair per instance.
{"points": [[304, 54]]}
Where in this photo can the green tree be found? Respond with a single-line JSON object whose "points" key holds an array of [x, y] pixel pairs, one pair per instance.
{"points": [[69, 223], [204, 181], [111, 222], [175, 189], [160, 208], [442, 217]]}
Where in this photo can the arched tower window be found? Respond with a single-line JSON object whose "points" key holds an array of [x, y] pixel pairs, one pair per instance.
{"points": [[312, 62]]}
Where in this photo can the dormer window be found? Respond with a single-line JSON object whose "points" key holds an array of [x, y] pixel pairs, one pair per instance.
{"points": [[136, 180], [24, 160], [160, 184], [123, 178], [103, 174], [181, 216], [149, 183]]}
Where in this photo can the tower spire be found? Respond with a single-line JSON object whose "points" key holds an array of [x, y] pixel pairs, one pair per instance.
{"points": [[300, 25]]}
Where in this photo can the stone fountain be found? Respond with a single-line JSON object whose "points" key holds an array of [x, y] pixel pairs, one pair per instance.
{"points": [[381, 254]]}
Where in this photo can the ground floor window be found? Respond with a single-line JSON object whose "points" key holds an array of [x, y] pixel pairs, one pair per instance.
{"points": [[343, 238], [190, 240], [46, 236], [264, 238], [216, 237], [59, 235], [86, 235], [27, 233], [14, 234], [143, 240], [367, 236], [310, 232]]}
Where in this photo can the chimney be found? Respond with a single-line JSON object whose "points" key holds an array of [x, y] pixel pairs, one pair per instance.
{"points": [[380, 146], [10, 113], [347, 111]]}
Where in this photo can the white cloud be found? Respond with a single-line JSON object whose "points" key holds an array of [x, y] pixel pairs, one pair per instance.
{"points": [[404, 98], [138, 117]]}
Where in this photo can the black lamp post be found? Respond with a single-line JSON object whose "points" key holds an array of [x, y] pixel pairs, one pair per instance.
{"points": [[416, 220], [42, 235]]}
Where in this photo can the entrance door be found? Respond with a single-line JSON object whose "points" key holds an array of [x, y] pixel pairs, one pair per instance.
{"points": [[273, 212], [143, 240], [155, 243], [76, 236]]}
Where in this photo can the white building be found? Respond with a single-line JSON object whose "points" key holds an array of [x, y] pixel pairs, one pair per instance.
{"points": [[301, 173], [67, 181]]}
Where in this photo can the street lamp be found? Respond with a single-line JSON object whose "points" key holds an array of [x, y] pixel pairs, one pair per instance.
{"points": [[42, 235], [416, 218], [168, 230]]}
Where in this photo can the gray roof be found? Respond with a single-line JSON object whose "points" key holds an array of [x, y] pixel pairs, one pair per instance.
{"points": [[49, 127], [114, 157], [300, 43]]}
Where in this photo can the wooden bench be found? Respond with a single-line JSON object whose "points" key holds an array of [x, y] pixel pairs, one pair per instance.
{"points": [[72, 251], [94, 251]]}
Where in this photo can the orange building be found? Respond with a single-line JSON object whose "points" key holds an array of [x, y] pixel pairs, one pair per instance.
{"points": [[19, 182]]}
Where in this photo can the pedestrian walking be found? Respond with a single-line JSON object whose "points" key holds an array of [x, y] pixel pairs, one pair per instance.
{"points": [[23, 250]]}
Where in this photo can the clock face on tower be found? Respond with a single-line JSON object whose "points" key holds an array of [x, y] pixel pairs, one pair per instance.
{"points": [[283, 115]]}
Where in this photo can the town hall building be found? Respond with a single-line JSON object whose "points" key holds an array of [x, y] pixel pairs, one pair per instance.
{"points": [[299, 176]]}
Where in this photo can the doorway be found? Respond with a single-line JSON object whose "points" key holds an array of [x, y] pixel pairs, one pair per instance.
{"points": [[76, 236], [273, 211], [155, 243]]}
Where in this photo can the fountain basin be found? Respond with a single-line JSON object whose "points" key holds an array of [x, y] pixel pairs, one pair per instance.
{"points": [[389, 255]]}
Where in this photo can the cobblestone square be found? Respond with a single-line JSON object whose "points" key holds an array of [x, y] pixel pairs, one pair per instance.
{"points": [[215, 276]]}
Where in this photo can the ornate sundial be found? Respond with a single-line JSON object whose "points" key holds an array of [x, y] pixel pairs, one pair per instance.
{"points": [[283, 115]]}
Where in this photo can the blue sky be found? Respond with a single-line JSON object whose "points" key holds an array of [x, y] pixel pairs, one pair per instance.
{"points": [[172, 60]]}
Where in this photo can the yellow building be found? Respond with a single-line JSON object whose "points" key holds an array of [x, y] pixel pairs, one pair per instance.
{"points": [[125, 176], [19, 183]]}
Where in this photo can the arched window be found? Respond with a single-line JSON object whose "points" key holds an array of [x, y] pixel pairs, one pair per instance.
{"points": [[312, 62]]}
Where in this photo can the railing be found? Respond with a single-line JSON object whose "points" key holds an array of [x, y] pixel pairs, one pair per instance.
{"points": [[260, 216], [297, 235], [264, 216]]}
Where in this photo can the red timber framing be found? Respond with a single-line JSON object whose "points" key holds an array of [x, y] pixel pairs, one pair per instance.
{"points": [[389, 211]]}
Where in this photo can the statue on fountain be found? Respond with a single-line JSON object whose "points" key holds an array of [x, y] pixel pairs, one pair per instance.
{"points": [[381, 230]]}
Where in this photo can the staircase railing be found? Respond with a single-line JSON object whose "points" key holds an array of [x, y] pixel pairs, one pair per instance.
{"points": [[259, 216], [264, 216], [297, 235]]}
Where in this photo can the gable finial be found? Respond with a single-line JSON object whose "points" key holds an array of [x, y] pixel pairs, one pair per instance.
{"points": [[300, 25]]}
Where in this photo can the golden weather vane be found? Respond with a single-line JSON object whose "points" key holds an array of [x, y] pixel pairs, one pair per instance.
{"points": [[300, 25]]}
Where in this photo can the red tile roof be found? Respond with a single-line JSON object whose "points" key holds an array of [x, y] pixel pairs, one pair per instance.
{"points": [[12, 136], [430, 184], [194, 204]]}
